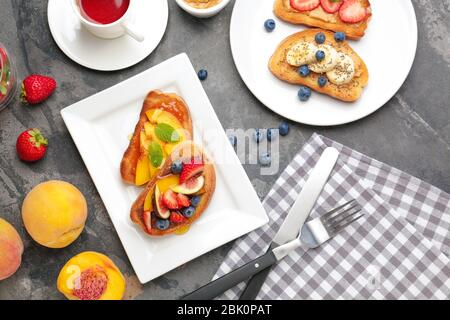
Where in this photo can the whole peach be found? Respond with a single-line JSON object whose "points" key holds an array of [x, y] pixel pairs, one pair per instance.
{"points": [[54, 213], [11, 249]]}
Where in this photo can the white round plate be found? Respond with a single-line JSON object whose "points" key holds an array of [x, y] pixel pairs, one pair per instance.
{"points": [[388, 48], [101, 54]]}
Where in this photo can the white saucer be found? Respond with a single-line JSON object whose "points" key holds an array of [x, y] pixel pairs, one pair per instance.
{"points": [[107, 55]]}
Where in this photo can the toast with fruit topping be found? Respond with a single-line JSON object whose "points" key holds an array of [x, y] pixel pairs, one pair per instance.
{"points": [[164, 122], [322, 61], [178, 195], [349, 16]]}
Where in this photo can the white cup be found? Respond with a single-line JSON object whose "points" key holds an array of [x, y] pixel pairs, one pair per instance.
{"points": [[112, 30]]}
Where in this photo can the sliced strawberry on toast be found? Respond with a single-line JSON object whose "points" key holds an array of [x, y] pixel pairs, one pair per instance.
{"points": [[331, 6], [305, 5], [191, 170], [147, 220], [352, 11], [170, 200]]}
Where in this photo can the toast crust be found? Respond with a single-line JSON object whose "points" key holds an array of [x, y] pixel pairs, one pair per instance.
{"points": [[321, 19], [184, 151], [346, 92], [155, 99]]}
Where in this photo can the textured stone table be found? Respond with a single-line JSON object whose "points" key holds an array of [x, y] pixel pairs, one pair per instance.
{"points": [[412, 132]]}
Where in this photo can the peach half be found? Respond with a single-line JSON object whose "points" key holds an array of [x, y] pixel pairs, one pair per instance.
{"points": [[91, 276], [54, 213], [11, 249]]}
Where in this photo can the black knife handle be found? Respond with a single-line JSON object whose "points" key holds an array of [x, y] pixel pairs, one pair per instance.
{"points": [[231, 279], [254, 285]]}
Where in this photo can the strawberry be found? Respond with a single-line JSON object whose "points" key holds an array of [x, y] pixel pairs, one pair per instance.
{"points": [[183, 201], [331, 6], [3, 55], [305, 5], [352, 11], [147, 218], [169, 199], [190, 170], [37, 88], [31, 145], [176, 217]]}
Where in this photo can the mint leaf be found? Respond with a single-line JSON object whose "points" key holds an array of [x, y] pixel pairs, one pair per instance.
{"points": [[3, 90], [155, 154], [166, 133]]}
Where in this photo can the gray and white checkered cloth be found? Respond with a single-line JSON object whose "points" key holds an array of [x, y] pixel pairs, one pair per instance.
{"points": [[400, 249]]}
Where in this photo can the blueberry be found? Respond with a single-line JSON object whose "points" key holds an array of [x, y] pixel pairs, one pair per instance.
{"points": [[265, 159], [339, 36], [269, 25], [322, 81], [304, 71], [320, 55], [177, 167], [203, 74], [284, 129], [188, 212], [162, 224], [233, 140], [195, 200], [272, 134], [258, 135], [304, 93], [320, 38]]}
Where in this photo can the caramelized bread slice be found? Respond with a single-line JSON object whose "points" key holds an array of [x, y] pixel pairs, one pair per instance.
{"points": [[346, 92], [156, 99], [321, 19], [183, 152]]}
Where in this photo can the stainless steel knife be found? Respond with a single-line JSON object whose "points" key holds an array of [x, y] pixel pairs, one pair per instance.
{"points": [[297, 215]]}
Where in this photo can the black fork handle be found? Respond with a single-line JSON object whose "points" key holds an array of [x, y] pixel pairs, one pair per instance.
{"points": [[254, 285]]}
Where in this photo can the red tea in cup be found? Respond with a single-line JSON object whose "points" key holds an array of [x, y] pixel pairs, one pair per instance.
{"points": [[103, 11]]}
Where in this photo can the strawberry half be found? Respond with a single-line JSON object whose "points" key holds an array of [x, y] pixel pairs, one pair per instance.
{"points": [[331, 6], [352, 11], [169, 199], [176, 217], [190, 170], [37, 88], [305, 5], [31, 145], [183, 201], [147, 218]]}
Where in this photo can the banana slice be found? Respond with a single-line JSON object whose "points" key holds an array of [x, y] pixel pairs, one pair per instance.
{"points": [[301, 53], [344, 71], [328, 63]]}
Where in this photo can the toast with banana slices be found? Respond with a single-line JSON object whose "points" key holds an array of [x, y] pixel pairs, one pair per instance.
{"points": [[348, 16], [340, 73], [164, 122], [178, 195]]}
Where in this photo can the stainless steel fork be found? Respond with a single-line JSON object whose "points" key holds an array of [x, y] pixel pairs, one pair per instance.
{"points": [[313, 234], [319, 230]]}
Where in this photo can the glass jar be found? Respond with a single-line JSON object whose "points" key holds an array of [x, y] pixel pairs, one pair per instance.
{"points": [[7, 78]]}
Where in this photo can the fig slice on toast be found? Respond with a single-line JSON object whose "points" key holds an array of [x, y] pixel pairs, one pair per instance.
{"points": [[205, 182]]}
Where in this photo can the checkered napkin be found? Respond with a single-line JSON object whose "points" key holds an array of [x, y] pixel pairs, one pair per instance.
{"points": [[400, 249]]}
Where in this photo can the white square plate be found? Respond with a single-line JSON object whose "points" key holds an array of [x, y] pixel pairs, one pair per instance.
{"points": [[100, 126]]}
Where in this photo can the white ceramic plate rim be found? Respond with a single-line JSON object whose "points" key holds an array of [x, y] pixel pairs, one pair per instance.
{"points": [[82, 126], [235, 50], [118, 66]]}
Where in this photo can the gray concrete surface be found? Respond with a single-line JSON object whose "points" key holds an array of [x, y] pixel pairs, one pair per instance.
{"points": [[412, 132]]}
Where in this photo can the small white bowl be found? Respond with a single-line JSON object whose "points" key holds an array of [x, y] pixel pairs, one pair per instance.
{"points": [[203, 13]]}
